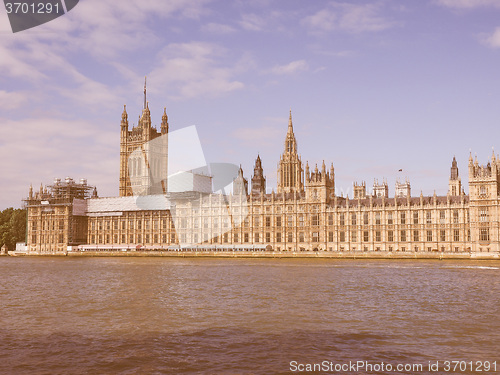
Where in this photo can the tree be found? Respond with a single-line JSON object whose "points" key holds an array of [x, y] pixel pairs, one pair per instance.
{"points": [[12, 227]]}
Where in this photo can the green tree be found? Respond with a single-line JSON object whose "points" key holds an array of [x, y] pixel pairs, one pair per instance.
{"points": [[12, 227]]}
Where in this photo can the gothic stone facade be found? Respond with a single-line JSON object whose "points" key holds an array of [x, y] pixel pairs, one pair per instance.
{"points": [[304, 214]]}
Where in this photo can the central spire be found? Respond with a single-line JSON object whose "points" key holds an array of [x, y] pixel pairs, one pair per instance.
{"points": [[290, 141], [145, 102], [290, 174]]}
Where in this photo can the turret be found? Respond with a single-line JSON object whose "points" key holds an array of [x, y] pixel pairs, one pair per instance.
{"points": [[124, 135], [146, 123], [145, 119], [164, 122], [403, 190], [471, 164], [454, 169], [240, 184], [455, 184], [258, 179], [484, 180], [380, 190], [124, 124], [319, 185], [359, 190]]}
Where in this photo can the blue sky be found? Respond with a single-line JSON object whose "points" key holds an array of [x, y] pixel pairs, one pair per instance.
{"points": [[374, 87]]}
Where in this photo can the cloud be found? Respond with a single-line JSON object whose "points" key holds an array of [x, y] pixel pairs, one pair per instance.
{"points": [[493, 40], [39, 149], [344, 53], [101, 30], [104, 29], [321, 50], [252, 135], [60, 58], [274, 129], [291, 68], [11, 100], [13, 64], [195, 69], [218, 28], [266, 20], [468, 4], [252, 22], [90, 94], [351, 18], [50, 71]]}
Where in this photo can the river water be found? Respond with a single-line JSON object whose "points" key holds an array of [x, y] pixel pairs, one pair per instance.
{"points": [[245, 316]]}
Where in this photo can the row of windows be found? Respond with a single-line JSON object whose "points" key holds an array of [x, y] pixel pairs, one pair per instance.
{"points": [[315, 220], [300, 208], [48, 225], [403, 236], [225, 222], [390, 217], [364, 236], [355, 219], [155, 238], [48, 239], [279, 221], [131, 224], [54, 210]]}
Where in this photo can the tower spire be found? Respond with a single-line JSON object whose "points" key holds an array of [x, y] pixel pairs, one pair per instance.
{"points": [[145, 102], [290, 173]]}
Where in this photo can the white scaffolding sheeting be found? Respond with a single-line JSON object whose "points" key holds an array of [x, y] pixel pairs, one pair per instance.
{"points": [[132, 203]]}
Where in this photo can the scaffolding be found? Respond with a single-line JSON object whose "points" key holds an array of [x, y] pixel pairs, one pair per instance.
{"points": [[69, 189], [42, 206]]}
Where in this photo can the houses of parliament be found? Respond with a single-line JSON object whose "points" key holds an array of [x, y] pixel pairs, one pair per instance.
{"points": [[303, 214]]}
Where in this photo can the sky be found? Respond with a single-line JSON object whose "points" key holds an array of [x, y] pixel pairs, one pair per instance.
{"points": [[373, 86]]}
